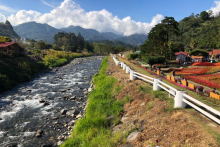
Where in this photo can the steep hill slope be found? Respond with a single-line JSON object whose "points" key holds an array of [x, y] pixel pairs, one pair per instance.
{"points": [[36, 31], [7, 30], [136, 39]]}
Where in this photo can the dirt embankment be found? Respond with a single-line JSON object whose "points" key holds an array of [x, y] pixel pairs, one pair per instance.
{"points": [[154, 122]]}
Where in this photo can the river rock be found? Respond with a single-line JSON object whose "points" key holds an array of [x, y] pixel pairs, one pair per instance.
{"points": [[133, 136], [71, 123], [39, 133], [64, 90], [60, 137], [12, 145], [59, 143], [78, 116], [54, 118], [73, 98], [46, 103], [90, 89], [47, 145], [41, 100], [63, 111], [74, 112]]}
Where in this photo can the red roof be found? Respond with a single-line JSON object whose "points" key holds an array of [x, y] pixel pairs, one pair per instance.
{"points": [[184, 53], [5, 44], [216, 51]]}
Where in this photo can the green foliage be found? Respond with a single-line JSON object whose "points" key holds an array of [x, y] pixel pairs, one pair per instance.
{"points": [[159, 38], [144, 90], [154, 59], [7, 30], [15, 69], [127, 99], [59, 58], [94, 128], [5, 39], [198, 52], [204, 15], [150, 105], [159, 94], [132, 56]]}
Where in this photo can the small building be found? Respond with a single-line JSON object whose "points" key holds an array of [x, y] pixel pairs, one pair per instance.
{"points": [[9, 47], [182, 56], [215, 52], [198, 58]]}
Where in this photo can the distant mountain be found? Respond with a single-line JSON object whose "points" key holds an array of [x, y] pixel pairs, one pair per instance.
{"points": [[38, 31], [7, 30], [135, 39]]}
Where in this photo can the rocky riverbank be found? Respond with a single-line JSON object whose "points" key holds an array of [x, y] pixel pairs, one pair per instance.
{"points": [[42, 112]]}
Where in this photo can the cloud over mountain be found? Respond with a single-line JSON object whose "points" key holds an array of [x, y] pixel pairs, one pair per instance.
{"points": [[70, 13], [216, 8]]}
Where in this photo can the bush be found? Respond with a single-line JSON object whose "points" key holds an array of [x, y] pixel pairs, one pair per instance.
{"points": [[132, 56], [154, 59], [199, 52]]}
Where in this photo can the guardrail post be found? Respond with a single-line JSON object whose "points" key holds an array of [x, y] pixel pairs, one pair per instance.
{"points": [[127, 68], [124, 66], [132, 77], [156, 85], [178, 100], [117, 63]]}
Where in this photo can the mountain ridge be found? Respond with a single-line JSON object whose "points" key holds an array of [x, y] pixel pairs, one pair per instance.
{"points": [[45, 32]]}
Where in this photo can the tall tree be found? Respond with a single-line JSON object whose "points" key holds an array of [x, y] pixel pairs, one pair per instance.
{"points": [[204, 15]]}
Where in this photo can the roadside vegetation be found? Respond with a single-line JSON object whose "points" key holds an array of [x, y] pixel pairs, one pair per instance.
{"points": [[94, 128], [17, 68]]}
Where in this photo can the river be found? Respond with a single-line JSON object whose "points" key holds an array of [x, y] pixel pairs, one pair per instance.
{"points": [[47, 105]]}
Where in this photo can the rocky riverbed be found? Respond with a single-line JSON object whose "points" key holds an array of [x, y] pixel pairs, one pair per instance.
{"points": [[42, 112]]}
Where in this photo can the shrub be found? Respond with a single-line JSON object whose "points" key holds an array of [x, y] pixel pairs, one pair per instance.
{"points": [[132, 56], [154, 59]]}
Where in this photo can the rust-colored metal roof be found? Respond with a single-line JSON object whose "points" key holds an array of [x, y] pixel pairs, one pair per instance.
{"points": [[184, 53], [5, 44], [216, 51]]}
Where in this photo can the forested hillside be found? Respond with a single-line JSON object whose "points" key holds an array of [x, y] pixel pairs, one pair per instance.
{"points": [[7, 30], [200, 31]]}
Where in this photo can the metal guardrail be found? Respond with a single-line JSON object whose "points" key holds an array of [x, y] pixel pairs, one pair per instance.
{"points": [[181, 98]]}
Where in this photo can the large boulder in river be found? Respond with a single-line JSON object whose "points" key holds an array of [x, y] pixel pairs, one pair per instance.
{"points": [[72, 112], [63, 111]]}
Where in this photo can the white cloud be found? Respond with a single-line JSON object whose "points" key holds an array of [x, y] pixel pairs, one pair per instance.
{"points": [[216, 8], [2, 18], [7, 9], [70, 13], [47, 4]]}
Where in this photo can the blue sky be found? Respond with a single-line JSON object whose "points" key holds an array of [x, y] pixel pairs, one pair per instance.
{"points": [[147, 12]]}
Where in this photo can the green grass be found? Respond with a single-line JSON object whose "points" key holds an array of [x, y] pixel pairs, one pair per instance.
{"points": [[127, 99], [93, 130], [144, 90], [150, 105]]}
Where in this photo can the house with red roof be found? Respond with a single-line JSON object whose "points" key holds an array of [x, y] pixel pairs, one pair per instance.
{"points": [[9, 47], [182, 56]]}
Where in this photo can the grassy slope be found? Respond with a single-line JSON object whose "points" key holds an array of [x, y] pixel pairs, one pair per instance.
{"points": [[94, 129]]}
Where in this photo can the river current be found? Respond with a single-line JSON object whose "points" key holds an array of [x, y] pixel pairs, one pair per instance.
{"points": [[37, 104]]}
